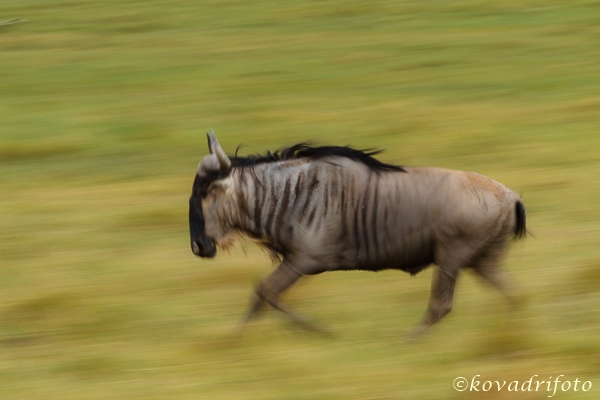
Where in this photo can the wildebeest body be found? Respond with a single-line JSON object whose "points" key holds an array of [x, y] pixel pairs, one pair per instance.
{"points": [[336, 212]]}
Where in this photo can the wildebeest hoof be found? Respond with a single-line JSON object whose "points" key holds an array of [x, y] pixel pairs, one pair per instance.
{"points": [[416, 333]]}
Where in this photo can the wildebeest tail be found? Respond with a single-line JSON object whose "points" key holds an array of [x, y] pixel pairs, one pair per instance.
{"points": [[520, 227]]}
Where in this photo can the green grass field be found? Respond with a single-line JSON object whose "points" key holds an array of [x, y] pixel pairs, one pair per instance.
{"points": [[103, 109]]}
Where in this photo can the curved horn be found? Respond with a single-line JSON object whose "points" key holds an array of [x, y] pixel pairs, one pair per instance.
{"points": [[215, 148], [210, 149]]}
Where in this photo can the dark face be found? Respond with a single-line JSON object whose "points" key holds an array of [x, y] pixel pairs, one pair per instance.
{"points": [[202, 245]]}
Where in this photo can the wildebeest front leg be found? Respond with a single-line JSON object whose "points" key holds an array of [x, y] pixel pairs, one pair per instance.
{"points": [[269, 290], [440, 301]]}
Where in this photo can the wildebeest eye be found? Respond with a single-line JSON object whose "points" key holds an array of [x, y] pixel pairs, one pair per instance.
{"points": [[212, 181]]}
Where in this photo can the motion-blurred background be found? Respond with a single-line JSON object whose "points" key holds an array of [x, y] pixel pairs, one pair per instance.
{"points": [[103, 109]]}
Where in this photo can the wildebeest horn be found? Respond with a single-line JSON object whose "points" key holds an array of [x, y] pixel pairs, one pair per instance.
{"points": [[215, 148]]}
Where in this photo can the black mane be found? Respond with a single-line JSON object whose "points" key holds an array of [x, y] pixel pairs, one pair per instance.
{"points": [[305, 150]]}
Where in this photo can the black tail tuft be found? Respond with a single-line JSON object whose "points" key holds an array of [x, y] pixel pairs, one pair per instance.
{"points": [[520, 228]]}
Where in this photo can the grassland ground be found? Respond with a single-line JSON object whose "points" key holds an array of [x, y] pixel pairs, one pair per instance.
{"points": [[103, 109]]}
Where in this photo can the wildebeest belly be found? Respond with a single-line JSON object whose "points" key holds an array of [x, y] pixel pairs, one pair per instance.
{"points": [[411, 260]]}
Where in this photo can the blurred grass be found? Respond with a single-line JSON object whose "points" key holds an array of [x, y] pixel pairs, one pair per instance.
{"points": [[104, 107]]}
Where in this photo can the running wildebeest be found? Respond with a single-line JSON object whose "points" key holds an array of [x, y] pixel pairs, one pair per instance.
{"points": [[335, 208]]}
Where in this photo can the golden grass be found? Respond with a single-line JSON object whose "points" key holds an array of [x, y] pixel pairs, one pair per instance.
{"points": [[104, 107]]}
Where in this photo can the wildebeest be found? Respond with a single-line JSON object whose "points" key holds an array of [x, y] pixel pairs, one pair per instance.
{"points": [[334, 208]]}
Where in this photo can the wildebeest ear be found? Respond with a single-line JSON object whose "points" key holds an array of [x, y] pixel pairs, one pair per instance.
{"points": [[208, 164], [215, 148]]}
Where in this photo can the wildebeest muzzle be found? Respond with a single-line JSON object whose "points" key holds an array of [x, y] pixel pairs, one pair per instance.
{"points": [[203, 247]]}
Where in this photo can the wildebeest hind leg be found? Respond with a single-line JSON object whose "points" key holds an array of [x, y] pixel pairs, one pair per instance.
{"points": [[440, 301], [489, 267]]}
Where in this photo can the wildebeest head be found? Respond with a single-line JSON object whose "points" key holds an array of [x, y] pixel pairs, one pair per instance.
{"points": [[209, 191]]}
